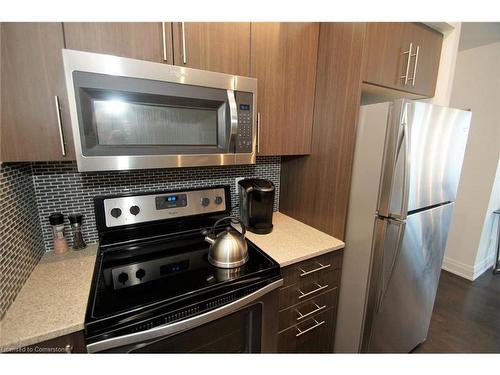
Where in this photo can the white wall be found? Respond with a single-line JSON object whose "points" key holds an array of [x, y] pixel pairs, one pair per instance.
{"points": [[447, 64], [477, 87]]}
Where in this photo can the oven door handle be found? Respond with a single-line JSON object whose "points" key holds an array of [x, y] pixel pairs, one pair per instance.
{"points": [[184, 325], [233, 118]]}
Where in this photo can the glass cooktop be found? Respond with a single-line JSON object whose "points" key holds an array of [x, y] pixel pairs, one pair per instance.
{"points": [[152, 274]]}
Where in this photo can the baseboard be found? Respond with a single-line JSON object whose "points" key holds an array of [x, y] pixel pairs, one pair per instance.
{"points": [[465, 270], [458, 268], [483, 266]]}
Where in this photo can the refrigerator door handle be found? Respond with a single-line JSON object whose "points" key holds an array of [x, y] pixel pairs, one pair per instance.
{"points": [[406, 170], [393, 199], [383, 284]]}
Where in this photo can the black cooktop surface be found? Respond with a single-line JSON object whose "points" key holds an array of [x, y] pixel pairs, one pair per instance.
{"points": [[141, 280]]}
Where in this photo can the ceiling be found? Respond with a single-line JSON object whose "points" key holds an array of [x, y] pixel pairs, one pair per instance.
{"points": [[475, 34]]}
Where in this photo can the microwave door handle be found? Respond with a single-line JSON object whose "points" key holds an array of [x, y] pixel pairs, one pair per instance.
{"points": [[170, 329], [233, 117]]}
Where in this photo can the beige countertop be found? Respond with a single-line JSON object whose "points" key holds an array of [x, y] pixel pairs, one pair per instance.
{"points": [[52, 302], [292, 241]]}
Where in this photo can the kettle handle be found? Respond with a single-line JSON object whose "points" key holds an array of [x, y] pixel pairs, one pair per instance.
{"points": [[234, 220]]}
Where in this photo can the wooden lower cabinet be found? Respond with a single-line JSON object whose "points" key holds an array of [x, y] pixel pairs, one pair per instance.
{"points": [[308, 305]]}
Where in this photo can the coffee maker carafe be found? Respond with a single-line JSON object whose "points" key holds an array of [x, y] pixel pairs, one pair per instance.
{"points": [[256, 204]]}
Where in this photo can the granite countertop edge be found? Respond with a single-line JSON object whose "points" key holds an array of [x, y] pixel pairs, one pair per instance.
{"points": [[265, 242]]}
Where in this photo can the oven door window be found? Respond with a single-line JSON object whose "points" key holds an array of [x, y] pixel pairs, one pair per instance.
{"points": [[239, 332], [131, 116]]}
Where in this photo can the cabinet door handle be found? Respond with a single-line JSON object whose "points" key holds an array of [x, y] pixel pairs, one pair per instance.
{"points": [[164, 41], [405, 77], [258, 132], [184, 57], [317, 309], [415, 66], [310, 328], [321, 267], [59, 124], [314, 291]]}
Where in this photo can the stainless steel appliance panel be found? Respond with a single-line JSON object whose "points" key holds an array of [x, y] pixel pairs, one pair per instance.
{"points": [[424, 151], [266, 297], [236, 124], [407, 258]]}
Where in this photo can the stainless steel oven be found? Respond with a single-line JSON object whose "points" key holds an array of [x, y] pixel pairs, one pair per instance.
{"points": [[247, 325], [154, 289], [134, 114]]}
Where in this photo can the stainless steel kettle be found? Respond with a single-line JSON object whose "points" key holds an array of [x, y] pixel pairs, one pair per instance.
{"points": [[229, 248]]}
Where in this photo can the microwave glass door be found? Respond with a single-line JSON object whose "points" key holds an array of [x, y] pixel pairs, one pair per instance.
{"points": [[130, 116]]}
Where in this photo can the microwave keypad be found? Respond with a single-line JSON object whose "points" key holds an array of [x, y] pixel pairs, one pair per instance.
{"points": [[244, 139]]}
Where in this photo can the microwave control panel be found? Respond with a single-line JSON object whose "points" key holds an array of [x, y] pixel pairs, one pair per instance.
{"points": [[244, 102]]}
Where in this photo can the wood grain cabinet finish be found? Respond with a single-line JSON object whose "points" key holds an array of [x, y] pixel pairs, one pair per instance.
{"points": [[216, 46], [315, 188], [32, 79], [138, 40], [308, 305], [283, 59], [402, 56]]}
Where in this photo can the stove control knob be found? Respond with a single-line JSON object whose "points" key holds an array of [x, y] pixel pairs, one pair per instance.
{"points": [[218, 199], [116, 212], [140, 273], [205, 201], [123, 278], [134, 210]]}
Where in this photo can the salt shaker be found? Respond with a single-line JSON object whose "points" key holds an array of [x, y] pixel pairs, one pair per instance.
{"points": [[57, 221], [76, 226]]}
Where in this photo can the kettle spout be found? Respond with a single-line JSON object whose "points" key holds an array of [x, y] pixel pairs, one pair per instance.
{"points": [[208, 238]]}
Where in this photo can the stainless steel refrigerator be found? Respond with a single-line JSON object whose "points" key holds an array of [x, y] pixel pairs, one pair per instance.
{"points": [[407, 165]]}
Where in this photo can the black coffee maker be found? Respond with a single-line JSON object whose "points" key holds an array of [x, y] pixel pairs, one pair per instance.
{"points": [[256, 204]]}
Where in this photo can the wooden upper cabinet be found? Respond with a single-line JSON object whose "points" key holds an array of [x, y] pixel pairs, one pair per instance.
{"points": [[32, 79], [216, 46], [138, 40], [402, 56], [283, 59]]}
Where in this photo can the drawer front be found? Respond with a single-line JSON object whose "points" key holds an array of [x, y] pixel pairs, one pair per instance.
{"points": [[301, 312], [314, 266], [314, 335], [310, 287]]}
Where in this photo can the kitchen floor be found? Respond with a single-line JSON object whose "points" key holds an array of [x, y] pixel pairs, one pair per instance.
{"points": [[466, 317]]}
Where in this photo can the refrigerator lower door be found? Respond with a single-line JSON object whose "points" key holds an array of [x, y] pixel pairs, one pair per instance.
{"points": [[406, 264]]}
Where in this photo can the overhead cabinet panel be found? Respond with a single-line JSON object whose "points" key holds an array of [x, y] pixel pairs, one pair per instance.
{"points": [[402, 56], [216, 46], [138, 40], [283, 60], [34, 117]]}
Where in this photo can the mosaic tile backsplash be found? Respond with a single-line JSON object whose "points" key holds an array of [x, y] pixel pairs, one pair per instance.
{"points": [[59, 187], [21, 243]]}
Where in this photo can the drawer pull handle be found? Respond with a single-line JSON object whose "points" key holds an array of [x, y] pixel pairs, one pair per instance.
{"points": [[302, 316], [321, 267], [319, 288], [310, 328]]}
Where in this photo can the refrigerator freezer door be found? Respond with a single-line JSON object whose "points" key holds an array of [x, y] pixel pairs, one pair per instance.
{"points": [[438, 140], [423, 156], [406, 264]]}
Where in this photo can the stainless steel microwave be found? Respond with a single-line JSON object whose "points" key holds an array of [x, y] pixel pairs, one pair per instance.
{"points": [[134, 114]]}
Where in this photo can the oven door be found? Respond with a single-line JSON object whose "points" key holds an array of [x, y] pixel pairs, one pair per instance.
{"points": [[131, 114], [248, 325]]}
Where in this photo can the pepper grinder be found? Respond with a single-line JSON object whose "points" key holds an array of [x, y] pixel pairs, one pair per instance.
{"points": [[76, 226], [57, 221]]}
